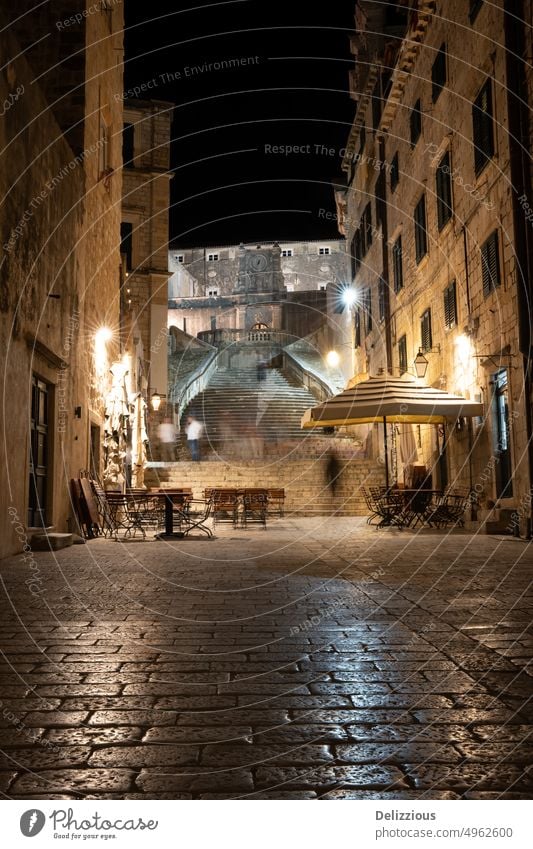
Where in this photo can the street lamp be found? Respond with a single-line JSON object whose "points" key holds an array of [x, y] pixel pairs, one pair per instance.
{"points": [[155, 401], [421, 362], [349, 296]]}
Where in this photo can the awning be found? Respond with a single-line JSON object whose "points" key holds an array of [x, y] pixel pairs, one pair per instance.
{"points": [[390, 400]]}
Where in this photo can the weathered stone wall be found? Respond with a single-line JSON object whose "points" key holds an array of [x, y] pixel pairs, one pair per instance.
{"points": [[59, 264], [476, 346], [100, 245]]}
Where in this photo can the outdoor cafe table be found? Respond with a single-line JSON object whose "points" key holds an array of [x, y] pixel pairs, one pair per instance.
{"points": [[413, 503], [176, 505]]}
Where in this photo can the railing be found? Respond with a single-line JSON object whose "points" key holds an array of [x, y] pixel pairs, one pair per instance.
{"points": [[196, 384], [309, 378], [223, 336]]}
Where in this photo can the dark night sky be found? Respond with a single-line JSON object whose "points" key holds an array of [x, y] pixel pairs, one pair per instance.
{"points": [[227, 188]]}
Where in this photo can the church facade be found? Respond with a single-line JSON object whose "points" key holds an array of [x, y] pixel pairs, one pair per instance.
{"points": [[272, 286]]}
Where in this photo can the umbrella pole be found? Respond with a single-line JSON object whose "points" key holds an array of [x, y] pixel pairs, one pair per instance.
{"points": [[386, 451]]}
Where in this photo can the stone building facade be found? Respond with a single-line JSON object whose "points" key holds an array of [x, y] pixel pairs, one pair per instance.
{"points": [[144, 227], [220, 287], [429, 211], [60, 253]]}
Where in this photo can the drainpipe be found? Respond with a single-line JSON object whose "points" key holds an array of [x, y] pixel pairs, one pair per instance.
{"points": [[520, 164], [382, 199], [473, 509]]}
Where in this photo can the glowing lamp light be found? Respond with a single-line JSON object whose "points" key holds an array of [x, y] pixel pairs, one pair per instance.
{"points": [[463, 348], [349, 296], [333, 359], [103, 335], [421, 364], [155, 401]]}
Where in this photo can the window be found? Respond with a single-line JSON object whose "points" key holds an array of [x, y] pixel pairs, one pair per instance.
{"points": [[394, 172], [322, 288], [416, 122], [357, 328], [376, 104], [380, 195], [490, 264], [126, 243], [397, 264], [128, 137], [426, 337], [212, 257], [402, 354], [366, 228], [324, 251], [212, 293], [444, 191], [381, 299], [450, 306], [367, 308], [356, 252], [475, 6], [179, 258], [286, 252], [483, 127], [421, 235], [438, 73]]}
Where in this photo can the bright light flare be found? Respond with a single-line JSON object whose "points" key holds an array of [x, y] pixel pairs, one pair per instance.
{"points": [[332, 359], [349, 296], [102, 336]]}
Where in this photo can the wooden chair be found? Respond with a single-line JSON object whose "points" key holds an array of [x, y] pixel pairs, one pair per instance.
{"points": [[371, 504], [276, 502], [449, 509], [224, 504], [255, 506]]}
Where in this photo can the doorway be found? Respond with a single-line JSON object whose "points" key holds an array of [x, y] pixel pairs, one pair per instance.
{"points": [[502, 435], [39, 453]]}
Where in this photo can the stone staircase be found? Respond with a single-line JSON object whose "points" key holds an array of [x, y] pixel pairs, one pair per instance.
{"points": [[253, 438], [247, 419], [304, 481]]}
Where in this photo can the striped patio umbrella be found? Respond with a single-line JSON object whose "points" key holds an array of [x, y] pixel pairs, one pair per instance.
{"points": [[388, 399]]}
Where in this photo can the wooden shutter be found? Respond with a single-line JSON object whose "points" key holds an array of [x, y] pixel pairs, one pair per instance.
{"points": [[444, 191], [421, 247], [438, 73], [402, 354], [450, 306], [425, 331], [490, 264], [483, 127], [397, 264], [416, 122]]}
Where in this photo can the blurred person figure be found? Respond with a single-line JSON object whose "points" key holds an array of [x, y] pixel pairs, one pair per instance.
{"points": [[194, 430], [167, 440], [333, 470]]}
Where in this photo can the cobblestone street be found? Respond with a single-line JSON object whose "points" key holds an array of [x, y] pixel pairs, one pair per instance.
{"points": [[320, 659]]}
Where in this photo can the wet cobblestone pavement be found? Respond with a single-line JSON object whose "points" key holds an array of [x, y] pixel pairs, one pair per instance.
{"points": [[317, 660]]}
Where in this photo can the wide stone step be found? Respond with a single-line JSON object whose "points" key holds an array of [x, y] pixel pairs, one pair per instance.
{"points": [[303, 480]]}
